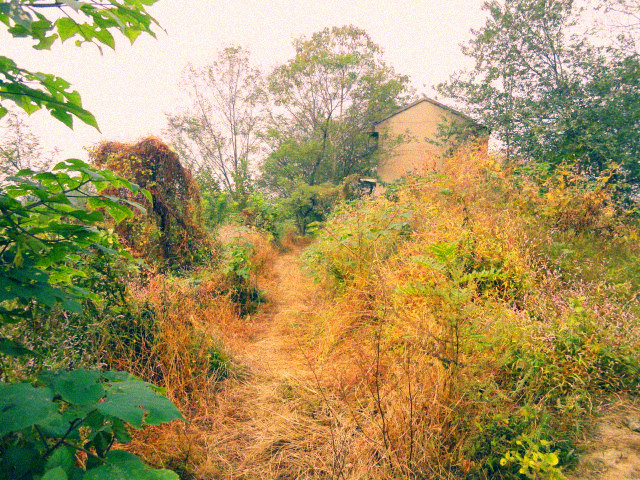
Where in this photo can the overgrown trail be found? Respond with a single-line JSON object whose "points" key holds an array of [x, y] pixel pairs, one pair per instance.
{"points": [[268, 414], [273, 351]]}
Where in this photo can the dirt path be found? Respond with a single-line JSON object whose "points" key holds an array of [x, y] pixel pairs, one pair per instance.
{"points": [[267, 419], [614, 451], [273, 352]]}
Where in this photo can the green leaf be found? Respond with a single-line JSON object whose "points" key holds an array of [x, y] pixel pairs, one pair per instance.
{"points": [[19, 462], [118, 376], [19, 15], [552, 459], [122, 465], [56, 473], [57, 425], [120, 431], [14, 349], [67, 28], [132, 34], [46, 42], [78, 387], [104, 36], [136, 403], [75, 4], [22, 405]]}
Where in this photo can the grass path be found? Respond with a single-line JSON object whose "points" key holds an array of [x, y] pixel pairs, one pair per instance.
{"points": [[274, 422], [268, 421]]}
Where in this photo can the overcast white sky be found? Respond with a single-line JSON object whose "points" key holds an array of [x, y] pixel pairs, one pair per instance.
{"points": [[130, 90]]}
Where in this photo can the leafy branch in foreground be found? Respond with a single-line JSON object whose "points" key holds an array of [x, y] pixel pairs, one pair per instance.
{"points": [[49, 222], [62, 425], [45, 427], [84, 21]]}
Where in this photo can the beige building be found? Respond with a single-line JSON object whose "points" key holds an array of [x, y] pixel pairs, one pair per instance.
{"points": [[409, 141]]}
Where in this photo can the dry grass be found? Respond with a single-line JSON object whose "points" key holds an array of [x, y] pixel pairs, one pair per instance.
{"points": [[400, 363]]}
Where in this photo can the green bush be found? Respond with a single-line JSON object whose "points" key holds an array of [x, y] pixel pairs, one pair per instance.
{"points": [[53, 253], [45, 424], [240, 277], [353, 235]]}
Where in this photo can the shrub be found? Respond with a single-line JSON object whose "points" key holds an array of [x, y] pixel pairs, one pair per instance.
{"points": [[464, 342]]}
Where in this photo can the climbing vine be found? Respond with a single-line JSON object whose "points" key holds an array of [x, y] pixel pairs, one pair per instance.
{"points": [[170, 232]]}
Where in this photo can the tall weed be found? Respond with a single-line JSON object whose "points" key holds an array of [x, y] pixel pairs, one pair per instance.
{"points": [[456, 348]]}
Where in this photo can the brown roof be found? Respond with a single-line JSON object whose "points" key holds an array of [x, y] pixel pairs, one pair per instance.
{"points": [[433, 102]]}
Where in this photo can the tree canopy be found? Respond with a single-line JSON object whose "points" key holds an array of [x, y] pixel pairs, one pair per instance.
{"points": [[548, 93], [330, 93], [218, 135], [19, 147]]}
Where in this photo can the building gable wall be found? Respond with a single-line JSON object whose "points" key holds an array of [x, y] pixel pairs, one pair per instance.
{"points": [[404, 140]]}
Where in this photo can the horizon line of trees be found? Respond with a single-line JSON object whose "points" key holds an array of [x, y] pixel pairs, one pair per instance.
{"points": [[558, 82], [553, 85], [299, 124]]}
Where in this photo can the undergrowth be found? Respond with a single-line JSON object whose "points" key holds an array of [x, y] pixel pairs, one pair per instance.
{"points": [[473, 323], [482, 318]]}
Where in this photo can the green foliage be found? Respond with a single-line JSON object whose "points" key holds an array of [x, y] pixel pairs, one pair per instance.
{"points": [[220, 364], [537, 460], [454, 134], [264, 214], [47, 226], [63, 424], [49, 230], [332, 91], [581, 359], [109, 330], [353, 235], [238, 261], [217, 207], [45, 424], [240, 277], [551, 96], [309, 204], [83, 21], [19, 147], [513, 443], [518, 298]]}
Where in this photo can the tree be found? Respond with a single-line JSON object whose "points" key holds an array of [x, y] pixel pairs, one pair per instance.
{"points": [[173, 218], [324, 101], [218, 135], [622, 18], [19, 147], [548, 95], [50, 222]]}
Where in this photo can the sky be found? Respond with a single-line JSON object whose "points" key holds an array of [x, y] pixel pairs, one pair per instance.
{"points": [[130, 90]]}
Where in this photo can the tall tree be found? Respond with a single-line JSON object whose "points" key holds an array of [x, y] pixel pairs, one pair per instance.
{"points": [[19, 147], [623, 18], [330, 93], [217, 136], [549, 94]]}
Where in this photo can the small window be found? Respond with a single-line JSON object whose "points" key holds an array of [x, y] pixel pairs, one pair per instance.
{"points": [[373, 139]]}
